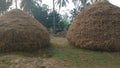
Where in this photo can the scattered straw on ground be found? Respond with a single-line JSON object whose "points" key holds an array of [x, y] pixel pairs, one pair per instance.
{"points": [[32, 62]]}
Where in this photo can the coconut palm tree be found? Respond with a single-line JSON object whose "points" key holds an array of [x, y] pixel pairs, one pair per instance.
{"points": [[54, 17], [16, 3], [27, 4], [62, 3]]}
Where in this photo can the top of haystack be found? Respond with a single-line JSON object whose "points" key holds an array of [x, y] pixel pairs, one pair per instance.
{"points": [[17, 19], [100, 8]]}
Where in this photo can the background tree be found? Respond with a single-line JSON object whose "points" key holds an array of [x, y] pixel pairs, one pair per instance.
{"points": [[54, 21], [16, 4], [27, 5], [57, 18], [62, 3], [4, 5], [41, 14]]}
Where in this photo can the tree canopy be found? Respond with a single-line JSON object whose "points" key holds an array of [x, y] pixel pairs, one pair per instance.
{"points": [[4, 5]]}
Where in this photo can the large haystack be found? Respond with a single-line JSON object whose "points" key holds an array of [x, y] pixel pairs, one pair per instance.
{"points": [[97, 27], [21, 32]]}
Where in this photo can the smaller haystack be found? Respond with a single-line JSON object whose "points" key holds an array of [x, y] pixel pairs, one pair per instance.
{"points": [[97, 28], [21, 32]]}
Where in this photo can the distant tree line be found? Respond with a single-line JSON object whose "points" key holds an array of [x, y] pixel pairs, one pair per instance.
{"points": [[40, 11]]}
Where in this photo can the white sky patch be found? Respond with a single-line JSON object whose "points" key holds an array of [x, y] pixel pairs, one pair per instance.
{"points": [[67, 9], [115, 2], [70, 6], [50, 3], [14, 5], [63, 10]]}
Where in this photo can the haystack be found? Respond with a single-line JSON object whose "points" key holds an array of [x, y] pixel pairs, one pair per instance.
{"points": [[21, 32], [97, 28]]}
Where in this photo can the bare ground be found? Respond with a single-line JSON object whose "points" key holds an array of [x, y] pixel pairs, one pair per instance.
{"points": [[60, 55], [32, 62], [13, 60]]}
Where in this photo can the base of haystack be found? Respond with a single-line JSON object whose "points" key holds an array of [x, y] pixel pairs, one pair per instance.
{"points": [[108, 45]]}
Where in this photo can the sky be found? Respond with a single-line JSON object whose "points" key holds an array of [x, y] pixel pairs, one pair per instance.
{"points": [[71, 6], [63, 9], [49, 2], [115, 2]]}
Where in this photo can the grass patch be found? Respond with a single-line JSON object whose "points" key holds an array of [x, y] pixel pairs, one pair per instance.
{"points": [[84, 58], [60, 49]]}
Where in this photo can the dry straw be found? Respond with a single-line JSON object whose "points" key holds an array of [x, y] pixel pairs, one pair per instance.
{"points": [[97, 28], [21, 32]]}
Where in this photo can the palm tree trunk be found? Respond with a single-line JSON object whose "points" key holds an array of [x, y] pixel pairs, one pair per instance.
{"points": [[16, 4], [54, 28]]}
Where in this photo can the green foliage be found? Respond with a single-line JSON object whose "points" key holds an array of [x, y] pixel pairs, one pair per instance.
{"points": [[84, 58], [62, 3], [64, 24], [41, 13], [4, 5], [57, 20], [60, 23], [77, 58], [28, 5]]}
